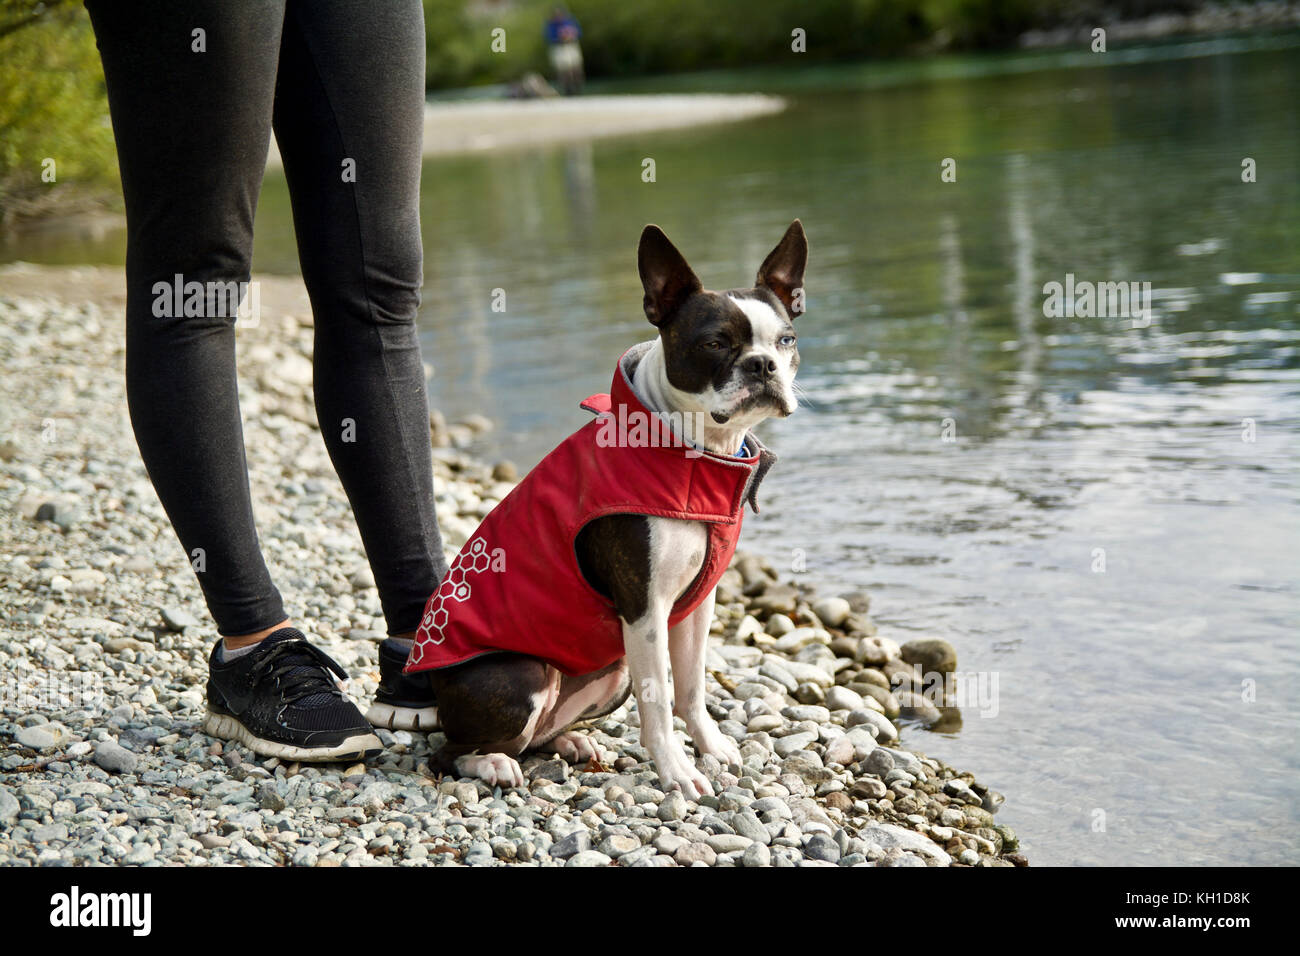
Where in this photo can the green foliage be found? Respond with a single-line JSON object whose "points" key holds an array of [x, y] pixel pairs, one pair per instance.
{"points": [[459, 43], [52, 106], [634, 37]]}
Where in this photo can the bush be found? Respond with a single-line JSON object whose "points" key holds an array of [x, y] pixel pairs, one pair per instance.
{"points": [[53, 106]]}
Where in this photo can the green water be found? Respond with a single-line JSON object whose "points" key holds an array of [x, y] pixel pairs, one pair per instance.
{"points": [[1145, 714]]}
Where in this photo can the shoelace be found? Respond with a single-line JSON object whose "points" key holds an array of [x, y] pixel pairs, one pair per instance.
{"points": [[302, 670]]}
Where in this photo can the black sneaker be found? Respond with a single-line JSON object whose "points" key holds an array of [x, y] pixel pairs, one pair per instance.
{"points": [[403, 701], [280, 700]]}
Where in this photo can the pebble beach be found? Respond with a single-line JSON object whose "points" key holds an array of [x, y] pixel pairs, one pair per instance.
{"points": [[104, 641]]}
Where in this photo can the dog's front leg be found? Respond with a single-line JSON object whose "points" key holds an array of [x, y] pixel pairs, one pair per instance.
{"points": [[688, 643], [645, 641]]}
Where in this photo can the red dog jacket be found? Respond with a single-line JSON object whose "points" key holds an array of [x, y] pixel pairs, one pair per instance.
{"points": [[516, 584]]}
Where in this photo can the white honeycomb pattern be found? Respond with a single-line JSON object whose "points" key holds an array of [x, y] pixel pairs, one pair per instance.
{"points": [[472, 559]]}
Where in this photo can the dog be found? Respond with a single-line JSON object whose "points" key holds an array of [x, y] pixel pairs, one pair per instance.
{"points": [[597, 572]]}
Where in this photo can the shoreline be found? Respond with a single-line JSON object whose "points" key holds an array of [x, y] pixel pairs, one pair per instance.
{"points": [[473, 126], [104, 621]]}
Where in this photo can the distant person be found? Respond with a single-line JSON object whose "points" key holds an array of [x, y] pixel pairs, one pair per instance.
{"points": [[562, 33]]}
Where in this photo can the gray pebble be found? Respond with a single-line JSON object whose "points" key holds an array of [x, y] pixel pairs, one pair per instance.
{"points": [[178, 619], [115, 758], [572, 844]]}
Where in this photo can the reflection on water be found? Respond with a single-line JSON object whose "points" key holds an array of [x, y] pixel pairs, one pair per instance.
{"points": [[1155, 696]]}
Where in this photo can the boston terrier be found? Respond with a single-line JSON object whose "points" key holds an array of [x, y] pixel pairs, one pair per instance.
{"points": [[596, 574]]}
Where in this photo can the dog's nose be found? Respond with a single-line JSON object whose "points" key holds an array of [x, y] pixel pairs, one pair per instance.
{"points": [[759, 366]]}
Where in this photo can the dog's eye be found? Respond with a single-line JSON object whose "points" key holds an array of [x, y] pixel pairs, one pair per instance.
{"points": [[787, 340], [713, 345]]}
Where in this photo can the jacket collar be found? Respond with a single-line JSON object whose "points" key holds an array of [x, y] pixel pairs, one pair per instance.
{"points": [[622, 393]]}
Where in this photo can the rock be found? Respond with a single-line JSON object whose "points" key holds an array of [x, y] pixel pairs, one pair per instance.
{"points": [[931, 655], [361, 578], [9, 807], [589, 858], [86, 581], [914, 705], [841, 698], [792, 743], [908, 761], [727, 842], [859, 601], [887, 836], [779, 625], [673, 807], [841, 750], [800, 638], [810, 693], [696, 852], [885, 730], [617, 844], [478, 423], [839, 800], [178, 619], [969, 857], [878, 763], [579, 841], [756, 854], [1009, 839], [810, 673], [776, 599], [832, 611], [774, 670], [748, 627], [949, 817], [867, 788], [747, 824], [764, 722], [556, 770], [115, 758], [669, 843], [881, 695], [821, 847], [505, 470], [49, 736], [306, 856], [993, 801], [806, 765]]}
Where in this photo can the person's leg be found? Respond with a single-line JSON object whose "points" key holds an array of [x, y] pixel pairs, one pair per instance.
{"points": [[190, 90], [349, 121]]}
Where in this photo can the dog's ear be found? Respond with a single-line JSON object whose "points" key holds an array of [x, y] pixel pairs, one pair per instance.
{"points": [[665, 276], [782, 270]]}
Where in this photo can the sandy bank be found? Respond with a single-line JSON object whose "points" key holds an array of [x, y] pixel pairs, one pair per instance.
{"points": [[472, 126]]}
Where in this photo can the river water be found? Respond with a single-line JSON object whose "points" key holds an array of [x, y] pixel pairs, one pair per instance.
{"points": [[1099, 513]]}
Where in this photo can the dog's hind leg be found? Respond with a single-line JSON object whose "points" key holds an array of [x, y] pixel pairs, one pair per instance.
{"points": [[585, 697], [489, 708]]}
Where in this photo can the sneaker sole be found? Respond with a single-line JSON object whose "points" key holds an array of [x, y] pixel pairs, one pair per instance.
{"points": [[356, 747], [402, 718]]}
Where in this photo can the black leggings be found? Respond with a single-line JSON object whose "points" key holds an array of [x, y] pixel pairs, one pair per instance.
{"points": [[342, 83]]}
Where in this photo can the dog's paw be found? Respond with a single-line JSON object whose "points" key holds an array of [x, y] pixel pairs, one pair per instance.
{"points": [[710, 740], [496, 770], [676, 772], [576, 747]]}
